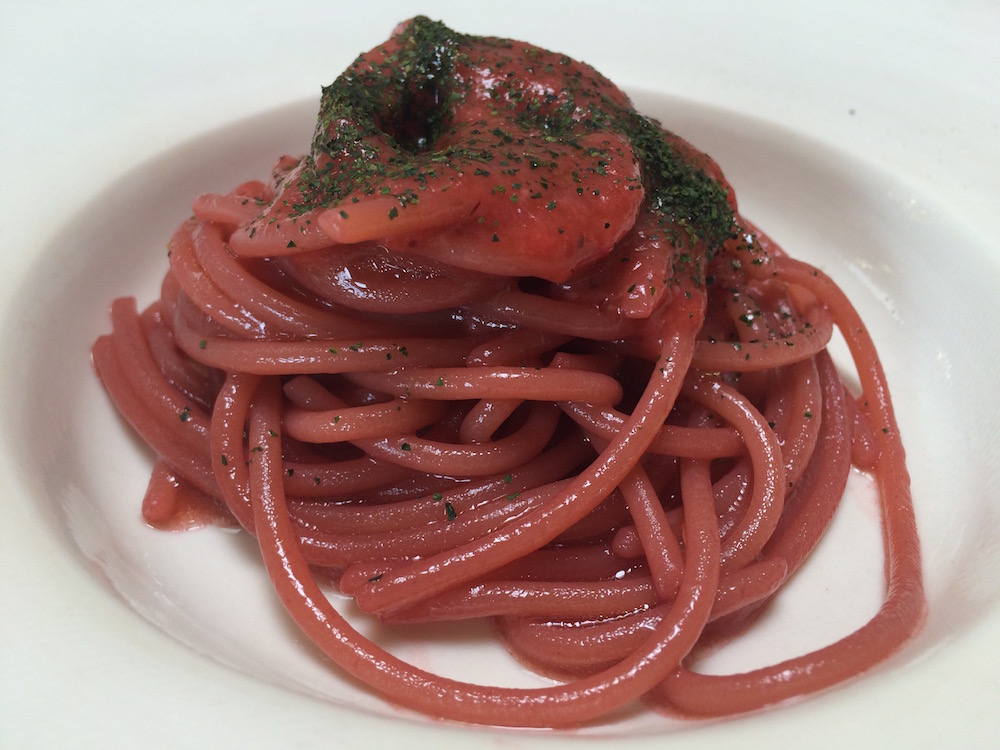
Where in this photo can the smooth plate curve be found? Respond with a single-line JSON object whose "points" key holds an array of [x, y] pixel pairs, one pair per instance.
{"points": [[880, 172], [203, 587]]}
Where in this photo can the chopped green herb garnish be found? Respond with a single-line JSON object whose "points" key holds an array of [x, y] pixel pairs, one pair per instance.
{"points": [[406, 96]]}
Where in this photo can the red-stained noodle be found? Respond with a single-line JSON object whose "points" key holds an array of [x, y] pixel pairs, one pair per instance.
{"points": [[499, 346]]}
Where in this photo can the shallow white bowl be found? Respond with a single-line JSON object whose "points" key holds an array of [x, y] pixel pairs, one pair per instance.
{"points": [[207, 589]]}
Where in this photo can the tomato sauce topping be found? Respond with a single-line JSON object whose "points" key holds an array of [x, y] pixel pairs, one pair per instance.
{"points": [[485, 154]]}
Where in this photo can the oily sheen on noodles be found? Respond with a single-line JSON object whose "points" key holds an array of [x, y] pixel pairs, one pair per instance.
{"points": [[500, 346]]}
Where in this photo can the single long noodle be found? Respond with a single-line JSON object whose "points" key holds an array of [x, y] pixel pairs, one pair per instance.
{"points": [[507, 349]]}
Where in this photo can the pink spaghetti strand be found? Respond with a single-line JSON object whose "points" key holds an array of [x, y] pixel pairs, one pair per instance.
{"points": [[574, 703]]}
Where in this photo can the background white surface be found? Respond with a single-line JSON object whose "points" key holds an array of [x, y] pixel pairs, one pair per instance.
{"points": [[89, 90]]}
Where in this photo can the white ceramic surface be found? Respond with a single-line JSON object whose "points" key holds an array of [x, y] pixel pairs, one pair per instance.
{"points": [[870, 158]]}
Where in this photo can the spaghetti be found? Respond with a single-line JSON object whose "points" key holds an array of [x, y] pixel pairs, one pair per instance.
{"points": [[499, 346]]}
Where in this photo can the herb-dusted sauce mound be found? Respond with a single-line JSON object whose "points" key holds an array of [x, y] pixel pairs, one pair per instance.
{"points": [[492, 155]]}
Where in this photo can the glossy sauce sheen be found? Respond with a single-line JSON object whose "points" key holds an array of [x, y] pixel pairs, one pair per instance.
{"points": [[499, 346], [536, 164]]}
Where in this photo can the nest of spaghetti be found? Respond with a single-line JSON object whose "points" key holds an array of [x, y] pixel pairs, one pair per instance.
{"points": [[617, 460]]}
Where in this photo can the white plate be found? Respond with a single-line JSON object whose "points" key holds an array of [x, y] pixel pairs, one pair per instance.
{"points": [[905, 236]]}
